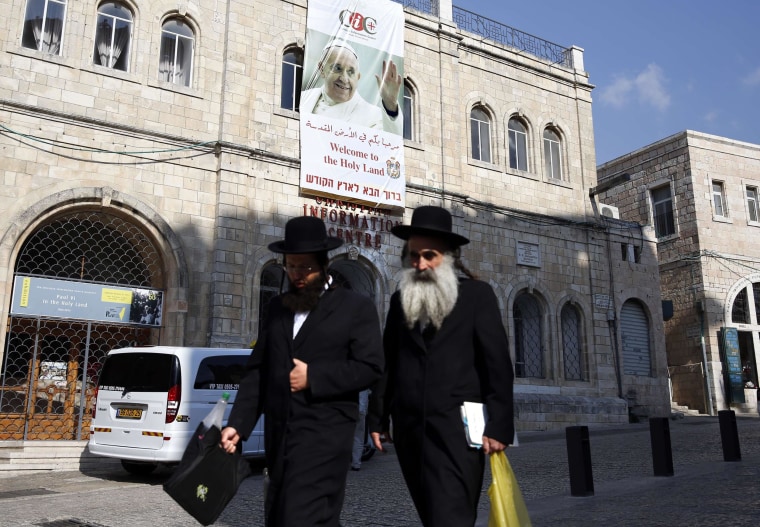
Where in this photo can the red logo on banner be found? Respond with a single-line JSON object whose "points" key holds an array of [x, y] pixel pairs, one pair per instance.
{"points": [[358, 22]]}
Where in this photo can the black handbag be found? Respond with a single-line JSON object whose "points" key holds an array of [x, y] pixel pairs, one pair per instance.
{"points": [[207, 477]]}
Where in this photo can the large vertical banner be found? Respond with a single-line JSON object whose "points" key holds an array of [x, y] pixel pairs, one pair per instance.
{"points": [[732, 365], [352, 145]]}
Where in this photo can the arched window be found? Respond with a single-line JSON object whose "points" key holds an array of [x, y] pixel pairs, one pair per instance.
{"points": [[518, 145], [740, 313], [43, 25], [91, 247], [272, 277], [292, 75], [480, 133], [176, 55], [572, 352], [408, 111], [529, 355], [634, 334], [746, 305], [113, 35], [552, 154]]}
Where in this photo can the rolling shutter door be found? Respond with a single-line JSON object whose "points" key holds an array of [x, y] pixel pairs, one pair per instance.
{"points": [[635, 336]]}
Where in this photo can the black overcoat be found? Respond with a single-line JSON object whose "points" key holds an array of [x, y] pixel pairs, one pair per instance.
{"points": [[309, 434], [427, 379]]}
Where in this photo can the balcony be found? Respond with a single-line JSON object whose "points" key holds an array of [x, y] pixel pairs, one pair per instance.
{"points": [[498, 32]]}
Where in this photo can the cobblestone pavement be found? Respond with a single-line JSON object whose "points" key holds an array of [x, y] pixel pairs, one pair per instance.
{"points": [[704, 490]]}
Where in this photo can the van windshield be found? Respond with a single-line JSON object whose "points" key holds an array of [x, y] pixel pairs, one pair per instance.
{"points": [[140, 372]]}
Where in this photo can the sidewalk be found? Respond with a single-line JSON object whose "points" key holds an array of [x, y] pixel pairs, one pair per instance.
{"points": [[704, 491]]}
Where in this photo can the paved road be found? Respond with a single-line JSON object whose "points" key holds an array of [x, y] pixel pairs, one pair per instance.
{"points": [[704, 491]]}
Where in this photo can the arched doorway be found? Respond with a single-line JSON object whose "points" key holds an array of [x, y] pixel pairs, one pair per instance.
{"points": [[52, 358], [352, 275], [745, 317], [634, 336]]}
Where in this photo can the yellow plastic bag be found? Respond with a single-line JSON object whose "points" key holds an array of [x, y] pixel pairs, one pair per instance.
{"points": [[507, 504]]}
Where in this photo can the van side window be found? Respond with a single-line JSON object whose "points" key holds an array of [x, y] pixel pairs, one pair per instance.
{"points": [[223, 372]]}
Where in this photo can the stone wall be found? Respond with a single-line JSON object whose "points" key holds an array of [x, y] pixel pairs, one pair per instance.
{"points": [[211, 173]]}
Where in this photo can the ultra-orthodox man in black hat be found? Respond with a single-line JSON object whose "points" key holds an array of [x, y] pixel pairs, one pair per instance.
{"points": [[319, 346], [445, 344]]}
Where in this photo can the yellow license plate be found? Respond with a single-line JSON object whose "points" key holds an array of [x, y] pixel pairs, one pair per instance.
{"points": [[129, 413]]}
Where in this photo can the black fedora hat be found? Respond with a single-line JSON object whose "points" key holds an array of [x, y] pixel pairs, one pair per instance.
{"points": [[305, 234], [432, 221]]}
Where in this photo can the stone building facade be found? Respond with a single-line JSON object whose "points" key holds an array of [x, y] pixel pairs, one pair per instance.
{"points": [[185, 166], [700, 194]]}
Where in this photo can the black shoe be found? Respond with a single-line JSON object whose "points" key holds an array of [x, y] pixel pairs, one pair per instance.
{"points": [[356, 469]]}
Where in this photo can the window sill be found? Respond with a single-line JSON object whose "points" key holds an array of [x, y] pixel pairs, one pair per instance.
{"points": [[523, 174], [45, 57], [558, 182], [483, 164], [284, 112], [668, 238], [125, 76], [176, 88], [722, 219], [751, 223], [416, 145]]}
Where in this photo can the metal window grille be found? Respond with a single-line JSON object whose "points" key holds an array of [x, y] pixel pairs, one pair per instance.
{"points": [[529, 353], [575, 368], [50, 370], [740, 308], [91, 247]]}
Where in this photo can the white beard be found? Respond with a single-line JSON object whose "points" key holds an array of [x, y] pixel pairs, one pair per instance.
{"points": [[429, 296]]}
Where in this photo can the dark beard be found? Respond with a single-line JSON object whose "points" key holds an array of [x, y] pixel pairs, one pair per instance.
{"points": [[306, 299]]}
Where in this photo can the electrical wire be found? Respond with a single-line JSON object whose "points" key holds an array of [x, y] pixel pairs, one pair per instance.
{"points": [[62, 144]]}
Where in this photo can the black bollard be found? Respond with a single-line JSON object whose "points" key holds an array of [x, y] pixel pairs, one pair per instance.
{"points": [[729, 435], [579, 461], [662, 452]]}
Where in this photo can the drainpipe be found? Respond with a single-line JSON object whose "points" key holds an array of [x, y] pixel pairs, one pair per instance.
{"points": [[708, 390]]}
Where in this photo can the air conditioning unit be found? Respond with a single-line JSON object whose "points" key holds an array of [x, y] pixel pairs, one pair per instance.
{"points": [[609, 211]]}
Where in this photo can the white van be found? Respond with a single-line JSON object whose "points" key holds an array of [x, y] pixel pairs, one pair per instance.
{"points": [[150, 400]]}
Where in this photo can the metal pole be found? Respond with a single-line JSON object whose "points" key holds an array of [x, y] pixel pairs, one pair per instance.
{"points": [[729, 435], [579, 461], [708, 390], [662, 452]]}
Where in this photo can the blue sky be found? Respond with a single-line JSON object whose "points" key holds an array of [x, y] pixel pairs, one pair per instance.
{"points": [[659, 66]]}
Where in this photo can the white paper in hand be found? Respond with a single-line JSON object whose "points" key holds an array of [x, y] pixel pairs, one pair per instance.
{"points": [[474, 417]]}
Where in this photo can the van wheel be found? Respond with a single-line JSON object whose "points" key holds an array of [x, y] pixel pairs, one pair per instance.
{"points": [[138, 469]]}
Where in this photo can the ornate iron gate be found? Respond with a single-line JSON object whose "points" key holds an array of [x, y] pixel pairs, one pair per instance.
{"points": [[50, 366], [50, 372]]}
